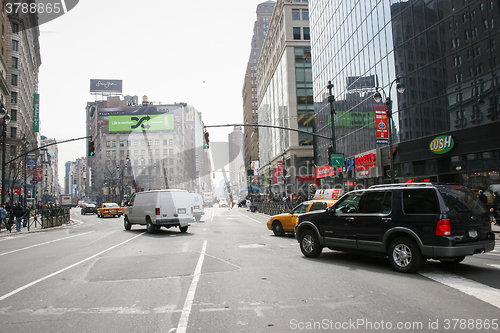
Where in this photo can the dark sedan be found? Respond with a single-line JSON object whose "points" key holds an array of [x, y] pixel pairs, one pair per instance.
{"points": [[89, 208]]}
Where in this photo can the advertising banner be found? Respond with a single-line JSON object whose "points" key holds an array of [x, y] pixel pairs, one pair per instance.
{"points": [[106, 86], [38, 173], [382, 124], [141, 122], [324, 171], [31, 163], [36, 112], [275, 176], [255, 167], [280, 167]]}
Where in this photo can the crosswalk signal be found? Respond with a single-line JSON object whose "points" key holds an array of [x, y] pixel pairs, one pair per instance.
{"points": [[91, 148], [206, 145]]}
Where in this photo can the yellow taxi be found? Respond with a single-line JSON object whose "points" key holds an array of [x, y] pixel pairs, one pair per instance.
{"points": [[282, 223], [109, 209]]}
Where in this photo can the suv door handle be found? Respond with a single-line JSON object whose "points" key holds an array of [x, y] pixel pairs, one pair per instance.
{"points": [[386, 219]]}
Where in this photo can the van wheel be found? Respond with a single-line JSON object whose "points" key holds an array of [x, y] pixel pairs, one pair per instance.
{"points": [[309, 244], [404, 255], [278, 228], [183, 229], [126, 223], [150, 228]]}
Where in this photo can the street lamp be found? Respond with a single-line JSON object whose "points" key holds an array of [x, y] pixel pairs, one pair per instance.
{"points": [[6, 119], [331, 99], [388, 103], [25, 146], [122, 170]]}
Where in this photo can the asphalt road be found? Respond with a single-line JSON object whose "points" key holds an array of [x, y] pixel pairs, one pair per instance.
{"points": [[228, 273]]}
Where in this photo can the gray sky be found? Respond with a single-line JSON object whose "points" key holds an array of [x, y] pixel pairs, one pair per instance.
{"points": [[190, 51]]}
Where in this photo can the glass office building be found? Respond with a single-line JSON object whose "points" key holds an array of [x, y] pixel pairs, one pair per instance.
{"points": [[444, 52]]}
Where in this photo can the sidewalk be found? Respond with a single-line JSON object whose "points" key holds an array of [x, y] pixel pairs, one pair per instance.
{"points": [[35, 226]]}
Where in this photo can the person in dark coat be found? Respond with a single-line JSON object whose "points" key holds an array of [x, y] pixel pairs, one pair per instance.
{"points": [[18, 213], [482, 197], [496, 204]]}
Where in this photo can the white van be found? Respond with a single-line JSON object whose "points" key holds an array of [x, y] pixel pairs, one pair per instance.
{"points": [[198, 207], [159, 208]]}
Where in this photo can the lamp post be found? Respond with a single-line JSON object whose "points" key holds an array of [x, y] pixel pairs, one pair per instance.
{"points": [[331, 99], [6, 119], [388, 103], [25, 146], [122, 170]]}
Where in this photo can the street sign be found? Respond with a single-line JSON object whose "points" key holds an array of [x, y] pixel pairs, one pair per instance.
{"points": [[337, 159]]}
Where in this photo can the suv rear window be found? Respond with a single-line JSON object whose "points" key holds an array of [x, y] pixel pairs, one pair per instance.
{"points": [[420, 201], [459, 199]]}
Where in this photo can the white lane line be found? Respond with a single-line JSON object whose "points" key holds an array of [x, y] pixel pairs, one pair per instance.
{"points": [[188, 304], [469, 287], [249, 218], [65, 269], [52, 241], [212, 216], [494, 265]]}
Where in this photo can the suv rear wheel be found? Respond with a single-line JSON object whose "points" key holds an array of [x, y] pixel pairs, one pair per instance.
{"points": [[404, 255], [126, 223], [309, 244]]}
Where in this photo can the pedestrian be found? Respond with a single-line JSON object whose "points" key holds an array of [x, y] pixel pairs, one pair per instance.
{"points": [[18, 213], [249, 203], [3, 215], [496, 204], [482, 197], [26, 216]]}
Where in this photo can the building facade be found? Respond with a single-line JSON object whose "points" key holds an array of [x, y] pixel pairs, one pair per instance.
{"points": [[285, 99], [249, 92], [143, 147], [445, 54]]}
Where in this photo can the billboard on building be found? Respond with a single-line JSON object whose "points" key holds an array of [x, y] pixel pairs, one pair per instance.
{"points": [[382, 124], [141, 122], [105, 86]]}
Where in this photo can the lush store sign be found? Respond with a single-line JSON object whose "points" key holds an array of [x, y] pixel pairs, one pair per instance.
{"points": [[442, 144]]}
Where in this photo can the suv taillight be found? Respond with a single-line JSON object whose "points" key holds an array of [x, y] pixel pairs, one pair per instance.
{"points": [[443, 228], [157, 211]]}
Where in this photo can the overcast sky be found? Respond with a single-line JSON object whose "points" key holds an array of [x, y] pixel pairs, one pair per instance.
{"points": [[191, 51]]}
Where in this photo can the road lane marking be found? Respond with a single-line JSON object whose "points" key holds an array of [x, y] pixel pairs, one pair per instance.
{"points": [[52, 241], [188, 304], [65, 269], [467, 286], [212, 216], [494, 265], [249, 218]]}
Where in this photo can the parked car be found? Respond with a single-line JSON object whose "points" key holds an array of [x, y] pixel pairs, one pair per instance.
{"points": [[88, 208], [282, 223], [109, 209], [409, 223], [198, 207], [159, 208]]}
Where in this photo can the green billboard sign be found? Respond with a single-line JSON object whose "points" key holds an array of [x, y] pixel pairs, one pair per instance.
{"points": [[36, 112], [141, 123], [442, 144]]}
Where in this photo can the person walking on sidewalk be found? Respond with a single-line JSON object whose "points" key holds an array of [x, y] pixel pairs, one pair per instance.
{"points": [[26, 216], [18, 213], [3, 215], [496, 204]]}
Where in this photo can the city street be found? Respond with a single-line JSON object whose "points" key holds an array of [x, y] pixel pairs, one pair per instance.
{"points": [[228, 273]]}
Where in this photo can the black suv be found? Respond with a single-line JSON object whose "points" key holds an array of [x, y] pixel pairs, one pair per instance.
{"points": [[409, 223]]}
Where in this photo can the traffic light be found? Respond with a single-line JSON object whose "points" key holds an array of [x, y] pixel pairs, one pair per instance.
{"points": [[91, 148], [207, 141]]}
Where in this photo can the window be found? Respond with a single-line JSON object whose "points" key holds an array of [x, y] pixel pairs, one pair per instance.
{"points": [[318, 206], [295, 14], [122, 143], [296, 33], [13, 132], [348, 204], [13, 97], [376, 203], [143, 143], [171, 142], [15, 45], [157, 142], [14, 62], [305, 14], [420, 202], [136, 143], [15, 28], [13, 115], [306, 34]]}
